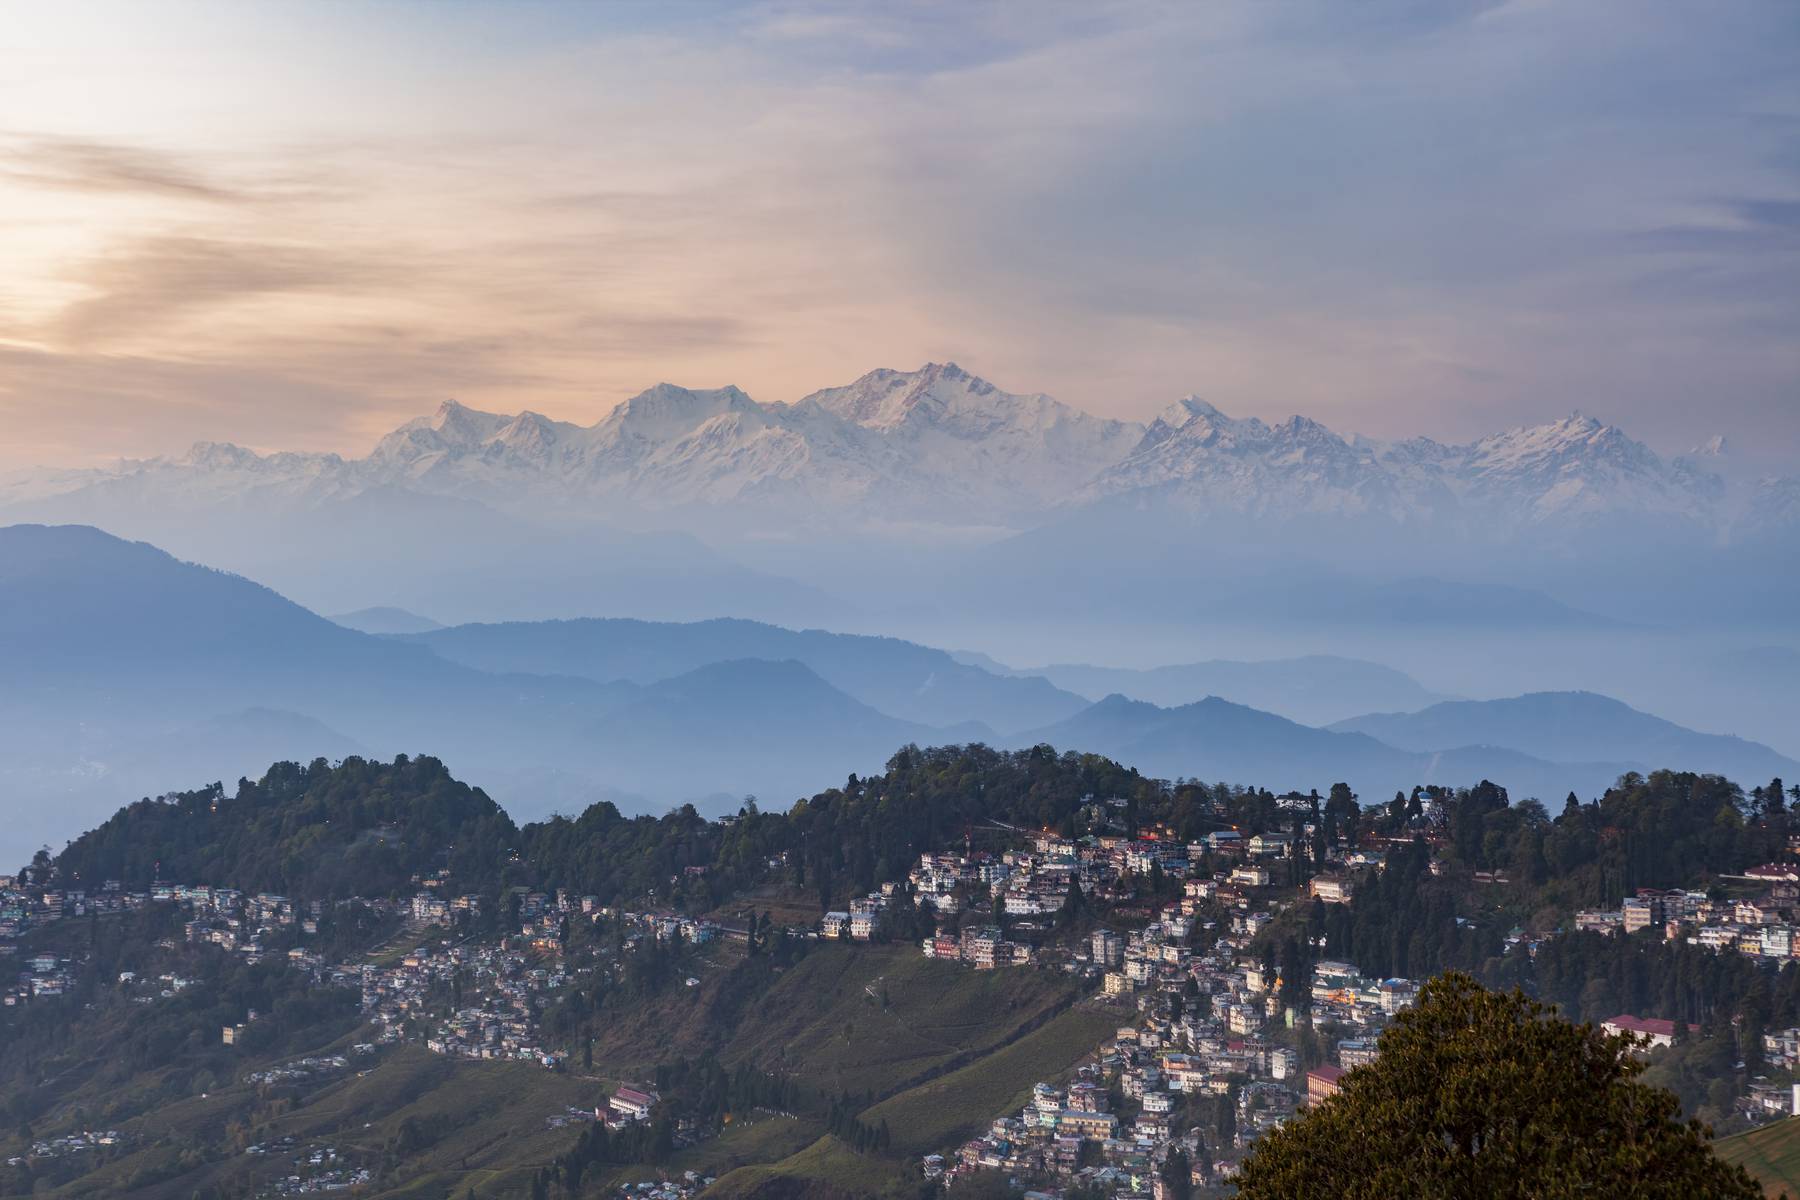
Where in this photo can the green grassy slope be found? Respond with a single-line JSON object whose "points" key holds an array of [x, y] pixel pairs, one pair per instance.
{"points": [[855, 1018], [938, 1114], [876, 1021], [825, 1170], [877, 1018], [970, 1045], [1771, 1153], [451, 1125]]}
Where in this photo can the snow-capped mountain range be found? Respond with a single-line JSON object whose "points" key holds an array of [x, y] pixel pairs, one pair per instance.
{"points": [[936, 443], [1574, 468], [939, 446]]}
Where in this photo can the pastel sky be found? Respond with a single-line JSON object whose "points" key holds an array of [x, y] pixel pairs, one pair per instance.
{"points": [[297, 224]]}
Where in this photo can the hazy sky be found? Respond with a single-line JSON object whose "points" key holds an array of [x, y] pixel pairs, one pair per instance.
{"points": [[295, 225]]}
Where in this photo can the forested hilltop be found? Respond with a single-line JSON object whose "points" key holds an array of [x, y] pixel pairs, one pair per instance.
{"points": [[324, 831], [319, 831]]}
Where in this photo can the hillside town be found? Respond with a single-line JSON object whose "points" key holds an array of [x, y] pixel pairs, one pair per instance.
{"points": [[1211, 1022], [1214, 1044], [1208, 1021]]}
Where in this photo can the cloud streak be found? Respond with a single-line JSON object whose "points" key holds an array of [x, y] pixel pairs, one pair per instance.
{"points": [[147, 288], [83, 165]]}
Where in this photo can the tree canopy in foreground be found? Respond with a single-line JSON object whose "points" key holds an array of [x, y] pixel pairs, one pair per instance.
{"points": [[1479, 1093]]}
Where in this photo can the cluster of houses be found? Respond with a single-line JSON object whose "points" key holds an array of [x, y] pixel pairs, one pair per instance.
{"points": [[667, 927], [318, 1172], [230, 920], [1029, 885], [691, 1184], [1213, 1024], [1782, 1049], [1768, 1100], [501, 985], [220, 916], [544, 919], [27, 901], [1763, 926], [863, 919], [1219, 1039], [39, 976], [27, 904], [495, 1019], [429, 908], [1211, 1034], [302, 1069], [981, 946], [71, 1143]]}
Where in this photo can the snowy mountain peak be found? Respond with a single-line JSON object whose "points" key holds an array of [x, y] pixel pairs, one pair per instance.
{"points": [[527, 424], [885, 398], [1305, 429], [1193, 422], [219, 456], [1189, 409], [466, 426], [667, 411], [668, 400], [448, 411], [1575, 441], [530, 436], [453, 429]]}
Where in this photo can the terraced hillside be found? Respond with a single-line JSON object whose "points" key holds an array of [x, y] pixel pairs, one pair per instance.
{"points": [[1771, 1153], [932, 1048]]}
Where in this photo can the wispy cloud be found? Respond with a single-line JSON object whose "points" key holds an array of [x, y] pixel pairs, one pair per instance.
{"points": [[83, 165], [146, 287]]}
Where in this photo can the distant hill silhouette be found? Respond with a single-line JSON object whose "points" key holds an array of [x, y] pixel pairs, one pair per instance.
{"points": [[132, 672], [385, 619], [776, 726], [1218, 741], [1566, 725], [1313, 689], [905, 680]]}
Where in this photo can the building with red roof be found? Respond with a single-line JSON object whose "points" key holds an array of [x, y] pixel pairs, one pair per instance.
{"points": [[1659, 1031]]}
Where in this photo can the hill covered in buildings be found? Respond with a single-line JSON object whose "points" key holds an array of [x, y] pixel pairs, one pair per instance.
{"points": [[368, 973]]}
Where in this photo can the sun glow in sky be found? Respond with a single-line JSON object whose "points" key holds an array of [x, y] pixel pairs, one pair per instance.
{"points": [[295, 225]]}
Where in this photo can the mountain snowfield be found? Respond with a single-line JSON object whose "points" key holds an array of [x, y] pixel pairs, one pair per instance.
{"points": [[941, 447]]}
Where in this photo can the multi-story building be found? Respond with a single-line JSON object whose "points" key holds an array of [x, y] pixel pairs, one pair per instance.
{"points": [[1642, 912]]}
